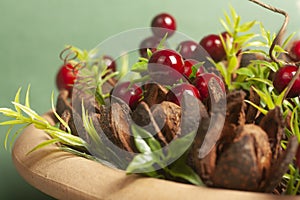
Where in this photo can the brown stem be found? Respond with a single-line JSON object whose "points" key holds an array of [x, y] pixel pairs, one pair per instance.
{"points": [[281, 30], [67, 57]]}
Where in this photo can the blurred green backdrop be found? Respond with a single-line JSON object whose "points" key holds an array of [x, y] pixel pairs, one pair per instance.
{"points": [[33, 32]]}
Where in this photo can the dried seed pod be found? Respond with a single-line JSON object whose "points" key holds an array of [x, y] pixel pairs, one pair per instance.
{"points": [[273, 124], [167, 116], [244, 164], [154, 94]]}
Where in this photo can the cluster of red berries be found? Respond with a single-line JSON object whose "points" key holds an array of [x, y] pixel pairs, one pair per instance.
{"points": [[168, 66]]}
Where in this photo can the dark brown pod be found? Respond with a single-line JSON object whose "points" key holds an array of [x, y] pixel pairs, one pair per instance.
{"points": [[244, 163]]}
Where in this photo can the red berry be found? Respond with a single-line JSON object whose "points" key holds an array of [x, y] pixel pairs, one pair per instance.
{"points": [[165, 66], [187, 48], [188, 64], [110, 63], [66, 77], [130, 93], [201, 83], [214, 47], [148, 43], [162, 24], [175, 95], [282, 78], [294, 52]]}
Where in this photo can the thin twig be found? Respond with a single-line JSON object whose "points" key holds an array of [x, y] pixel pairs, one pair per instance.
{"points": [[281, 30]]}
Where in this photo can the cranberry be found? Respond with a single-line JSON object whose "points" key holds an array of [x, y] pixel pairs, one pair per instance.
{"points": [[214, 47], [188, 64], [175, 95], [109, 62], [162, 24], [187, 48], [166, 66], [201, 83], [148, 43], [294, 52], [282, 78], [66, 77], [130, 93]]}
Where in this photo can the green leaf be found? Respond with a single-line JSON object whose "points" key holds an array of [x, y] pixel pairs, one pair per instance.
{"points": [[17, 100], [140, 133], [246, 26], [57, 116], [226, 27], [161, 44], [263, 111], [179, 146], [44, 144], [279, 49], [31, 113], [181, 170], [139, 67], [288, 39], [232, 64], [27, 102], [245, 71], [261, 80], [6, 136], [141, 163]]}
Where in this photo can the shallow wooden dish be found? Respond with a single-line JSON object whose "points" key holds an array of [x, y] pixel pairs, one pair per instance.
{"points": [[63, 175]]}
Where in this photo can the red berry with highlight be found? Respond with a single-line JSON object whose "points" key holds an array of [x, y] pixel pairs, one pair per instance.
{"points": [[214, 47], [282, 78], [166, 66], [162, 24]]}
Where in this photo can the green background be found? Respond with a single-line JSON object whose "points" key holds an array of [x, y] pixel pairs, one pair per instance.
{"points": [[33, 32]]}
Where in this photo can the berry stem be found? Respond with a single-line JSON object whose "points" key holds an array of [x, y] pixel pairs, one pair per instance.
{"points": [[281, 30]]}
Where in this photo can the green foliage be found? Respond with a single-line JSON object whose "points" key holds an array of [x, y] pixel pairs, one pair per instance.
{"points": [[152, 155]]}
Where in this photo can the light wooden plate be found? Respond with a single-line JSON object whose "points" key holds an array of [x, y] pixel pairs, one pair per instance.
{"points": [[63, 175]]}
